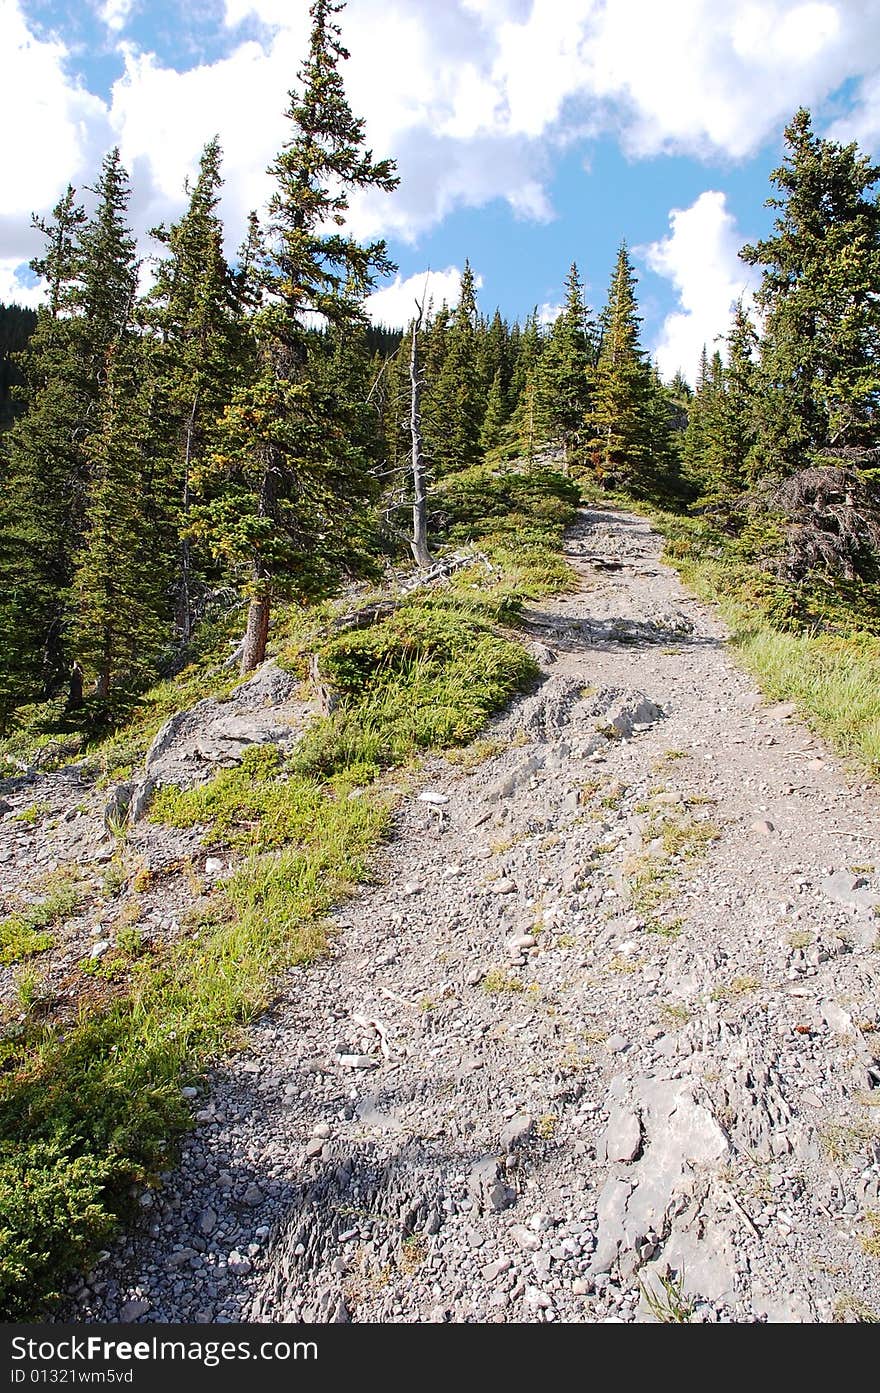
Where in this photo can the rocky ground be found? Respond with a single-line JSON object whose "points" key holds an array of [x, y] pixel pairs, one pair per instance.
{"points": [[598, 1043]]}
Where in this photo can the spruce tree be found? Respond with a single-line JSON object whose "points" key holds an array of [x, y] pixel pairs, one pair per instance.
{"points": [[119, 592], [458, 403], [495, 419], [620, 388], [820, 300], [737, 424], [527, 428], [196, 307], [41, 518], [561, 382], [293, 481]]}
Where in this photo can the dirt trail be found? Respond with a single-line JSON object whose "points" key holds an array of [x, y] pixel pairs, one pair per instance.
{"points": [[607, 1015]]}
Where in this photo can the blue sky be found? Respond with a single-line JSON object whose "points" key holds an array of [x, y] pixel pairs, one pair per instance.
{"points": [[528, 132]]}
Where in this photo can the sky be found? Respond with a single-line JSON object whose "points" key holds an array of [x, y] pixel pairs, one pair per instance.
{"points": [[528, 133]]}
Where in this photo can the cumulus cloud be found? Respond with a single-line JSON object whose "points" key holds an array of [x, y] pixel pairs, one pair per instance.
{"points": [[475, 98], [115, 14], [395, 304], [699, 257]]}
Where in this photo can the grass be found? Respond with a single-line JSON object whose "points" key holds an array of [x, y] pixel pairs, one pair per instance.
{"points": [[648, 877], [818, 648], [739, 986], [870, 1240], [24, 933], [91, 1109], [667, 1301], [497, 982]]}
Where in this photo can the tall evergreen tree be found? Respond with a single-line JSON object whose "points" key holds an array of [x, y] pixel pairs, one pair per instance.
{"points": [[562, 377], [819, 381], [495, 419], [120, 601], [293, 480], [458, 401], [527, 428], [41, 512], [197, 308], [620, 387]]}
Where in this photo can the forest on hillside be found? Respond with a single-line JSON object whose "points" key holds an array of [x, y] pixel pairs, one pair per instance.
{"points": [[239, 435]]}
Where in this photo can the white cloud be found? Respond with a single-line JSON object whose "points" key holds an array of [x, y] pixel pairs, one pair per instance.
{"points": [[475, 98], [548, 313], [13, 290], [700, 258], [395, 304], [116, 14]]}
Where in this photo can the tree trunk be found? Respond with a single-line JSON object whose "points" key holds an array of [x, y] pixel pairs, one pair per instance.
{"points": [[75, 689], [184, 600], [256, 634], [419, 541]]}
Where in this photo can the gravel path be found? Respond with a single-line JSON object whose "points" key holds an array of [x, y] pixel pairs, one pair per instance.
{"points": [[597, 1044]]}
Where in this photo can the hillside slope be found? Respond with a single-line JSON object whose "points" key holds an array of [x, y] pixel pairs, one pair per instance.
{"points": [[603, 1025]]}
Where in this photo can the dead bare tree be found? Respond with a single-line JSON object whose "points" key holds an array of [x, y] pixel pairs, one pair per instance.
{"points": [[419, 539]]}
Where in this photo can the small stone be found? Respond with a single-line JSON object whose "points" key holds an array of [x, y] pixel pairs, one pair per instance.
{"points": [[581, 1286], [525, 1238], [516, 1131], [133, 1310], [520, 944], [763, 828], [321, 1129], [537, 1298], [623, 1136], [207, 1221], [430, 795], [836, 1019], [493, 1270], [254, 1196], [189, 1093], [98, 949], [358, 1061], [180, 1259], [238, 1265], [213, 866], [617, 1044], [504, 886]]}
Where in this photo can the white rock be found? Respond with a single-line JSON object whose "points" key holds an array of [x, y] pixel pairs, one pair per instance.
{"points": [[430, 795]]}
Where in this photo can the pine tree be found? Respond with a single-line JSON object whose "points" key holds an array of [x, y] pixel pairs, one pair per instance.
{"points": [[118, 611], [820, 298], [495, 419], [661, 479], [120, 602], [41, 519], [562, 377], [197, 308], [620, 388], [293, 480], [736, 424], [495, 358], [458, 403], [527, 428]]}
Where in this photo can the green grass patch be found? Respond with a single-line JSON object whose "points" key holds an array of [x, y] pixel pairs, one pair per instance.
{"points": [[23, 934], [818, 647], [90, 1109]]}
